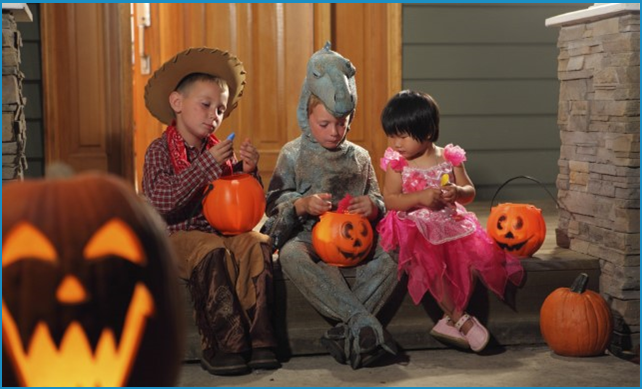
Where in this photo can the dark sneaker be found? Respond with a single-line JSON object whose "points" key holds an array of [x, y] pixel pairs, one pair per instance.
{"points": [[223, 363], [333, 341], [371, 353], [335, 349], [263, 359]]}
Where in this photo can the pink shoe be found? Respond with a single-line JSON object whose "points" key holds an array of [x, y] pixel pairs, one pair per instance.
{"points": [[477, 336], [448, 334]]}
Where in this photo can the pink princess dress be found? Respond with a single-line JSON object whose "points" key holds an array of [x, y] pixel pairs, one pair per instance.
{"points": [[441, 250]]}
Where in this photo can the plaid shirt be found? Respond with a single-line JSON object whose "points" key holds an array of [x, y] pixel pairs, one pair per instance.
{"points": [[178, 197]]}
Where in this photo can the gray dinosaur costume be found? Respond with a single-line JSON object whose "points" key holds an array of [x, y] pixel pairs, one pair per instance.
{"points": [[304, 168]]}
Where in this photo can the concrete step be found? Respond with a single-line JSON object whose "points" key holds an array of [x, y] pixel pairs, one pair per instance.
{"points": [[511, 322]]}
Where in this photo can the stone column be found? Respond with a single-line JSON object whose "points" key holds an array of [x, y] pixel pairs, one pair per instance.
{"points": [[599, 180], [14, 160]]}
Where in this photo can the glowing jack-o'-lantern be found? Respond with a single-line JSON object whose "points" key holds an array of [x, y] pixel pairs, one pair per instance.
{"points": [[88, 287], [576, 321], [342, 239], [517, 228], [235, 204]]}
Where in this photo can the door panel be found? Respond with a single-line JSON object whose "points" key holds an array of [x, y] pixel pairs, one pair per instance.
{"points": [[87, 86]]}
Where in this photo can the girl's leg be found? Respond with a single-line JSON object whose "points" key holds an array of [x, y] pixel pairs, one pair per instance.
{"points": [[474, 332], [448, 306]]}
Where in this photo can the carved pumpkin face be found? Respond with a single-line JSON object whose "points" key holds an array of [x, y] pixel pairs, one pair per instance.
{"points": [[343, 240], [88, 287], [235, 205], [518, 229]]}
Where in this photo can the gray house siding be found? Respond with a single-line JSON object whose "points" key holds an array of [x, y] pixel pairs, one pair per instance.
{"points": [[493, 70], [31, 66]]}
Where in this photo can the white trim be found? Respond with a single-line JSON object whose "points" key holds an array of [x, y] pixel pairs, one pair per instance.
{"points": [[595, 12], [20, 11]]}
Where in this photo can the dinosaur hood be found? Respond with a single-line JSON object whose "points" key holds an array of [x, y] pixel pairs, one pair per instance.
{"points": [[330, 77]]}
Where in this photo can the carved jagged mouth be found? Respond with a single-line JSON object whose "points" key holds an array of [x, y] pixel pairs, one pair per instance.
{"points": [[73, 363], [354, 256], [514, 247]]}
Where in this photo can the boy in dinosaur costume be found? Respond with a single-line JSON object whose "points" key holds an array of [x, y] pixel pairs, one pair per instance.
{"points": [[312, 174]]}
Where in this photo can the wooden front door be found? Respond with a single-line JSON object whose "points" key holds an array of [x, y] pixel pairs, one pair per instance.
{"points": [[274, 42], [87, 87], [95, 115]]}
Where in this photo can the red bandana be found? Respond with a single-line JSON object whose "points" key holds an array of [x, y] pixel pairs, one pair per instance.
{"points": [[178, 151]]}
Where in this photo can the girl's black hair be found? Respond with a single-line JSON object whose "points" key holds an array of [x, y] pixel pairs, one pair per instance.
{"points": [[411, 113]]}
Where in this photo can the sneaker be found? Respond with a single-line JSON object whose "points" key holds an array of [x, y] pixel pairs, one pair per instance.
{"points": [[446, 332], [371, 352], [224, 363], [334, 348], [263, 359]]}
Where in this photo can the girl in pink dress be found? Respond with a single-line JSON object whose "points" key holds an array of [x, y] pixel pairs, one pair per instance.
{"points": [[442, 247]]}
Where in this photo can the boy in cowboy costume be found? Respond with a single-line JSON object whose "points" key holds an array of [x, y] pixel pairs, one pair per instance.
{"points": [[230, 277]]}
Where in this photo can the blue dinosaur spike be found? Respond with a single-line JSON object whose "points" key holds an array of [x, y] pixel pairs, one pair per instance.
{"points": [[327, 46]]}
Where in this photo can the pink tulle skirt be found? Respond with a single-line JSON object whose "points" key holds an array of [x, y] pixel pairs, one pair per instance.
{"points": [[448, 268]]}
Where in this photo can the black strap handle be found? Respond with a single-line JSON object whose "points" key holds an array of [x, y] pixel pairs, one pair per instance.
{"points": [[524, 177]]}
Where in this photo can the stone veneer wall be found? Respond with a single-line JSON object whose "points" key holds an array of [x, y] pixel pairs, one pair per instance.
{"points": [[599, 179], [14, 161]]}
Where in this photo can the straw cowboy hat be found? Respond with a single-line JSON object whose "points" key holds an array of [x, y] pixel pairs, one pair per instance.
{"points": [[195, 60]]}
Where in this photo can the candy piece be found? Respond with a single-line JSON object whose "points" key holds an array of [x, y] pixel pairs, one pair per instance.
{"points": [[231, 136], [445, 179]]}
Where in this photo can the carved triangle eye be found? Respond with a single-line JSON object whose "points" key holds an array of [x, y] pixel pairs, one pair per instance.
{"points": [[26, 241], [115, 238]]}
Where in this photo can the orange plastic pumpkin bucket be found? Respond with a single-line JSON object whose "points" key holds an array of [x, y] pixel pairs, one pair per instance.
{"points": [[518, 228], [342, 239], [235, 204]]}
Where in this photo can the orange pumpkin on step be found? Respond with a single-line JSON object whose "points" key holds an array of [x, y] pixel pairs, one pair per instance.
{"points": [[518, 229], [342, 239], [576, 321], [235, 204], [88, 287]]}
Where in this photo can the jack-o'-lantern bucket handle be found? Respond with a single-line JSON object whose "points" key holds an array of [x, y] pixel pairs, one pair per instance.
{"points": [[492, 202]]}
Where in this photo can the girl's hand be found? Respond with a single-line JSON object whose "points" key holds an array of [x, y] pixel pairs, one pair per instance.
{"points": [[363, 206], [222, 151], [450, 193], [431, 198], [316, 204], [249, 155]]}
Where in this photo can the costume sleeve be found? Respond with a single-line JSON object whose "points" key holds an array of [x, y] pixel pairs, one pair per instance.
{"points": [[169, 192], [282, 193], [373, 191], [393, 160], [454, 154]]}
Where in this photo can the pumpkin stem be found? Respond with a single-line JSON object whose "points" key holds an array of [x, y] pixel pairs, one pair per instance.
{"points": [[579, 285]]}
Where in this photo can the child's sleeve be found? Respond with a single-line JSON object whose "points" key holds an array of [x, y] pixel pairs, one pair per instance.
{"points": [[454, 154], [373, 190], [282, 193], [169, 192], [393, 160]]}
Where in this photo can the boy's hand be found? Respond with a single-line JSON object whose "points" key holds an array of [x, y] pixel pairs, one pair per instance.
{"points": [[314, 205], [363, 206], [222, 151], [431, 198], [449, 193], [249, 155]]}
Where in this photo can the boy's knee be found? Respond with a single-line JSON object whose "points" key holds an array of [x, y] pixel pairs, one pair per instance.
{"points": [[384, 262], [256, 237]]}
